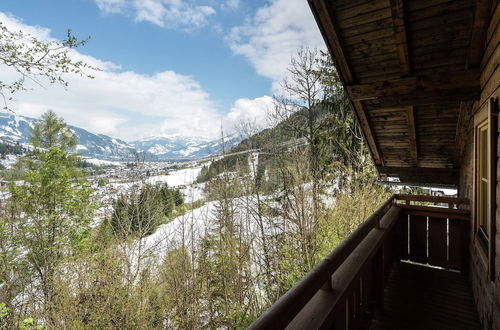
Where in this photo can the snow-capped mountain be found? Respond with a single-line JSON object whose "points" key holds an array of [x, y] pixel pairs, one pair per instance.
{"points": [[15, 129], [182, 147]]}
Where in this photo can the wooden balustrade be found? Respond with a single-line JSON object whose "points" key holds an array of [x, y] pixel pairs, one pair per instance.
{"points": [[435, 236], [344, 289]]}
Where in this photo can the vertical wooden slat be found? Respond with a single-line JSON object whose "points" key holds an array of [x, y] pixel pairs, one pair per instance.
{"points": [[350, 311], [456, 239], [388, 253], [418, 238], [438, 242], [378, 278], [357, 304], [403, 236], [464, 264], [340, 319], [368, 287]]}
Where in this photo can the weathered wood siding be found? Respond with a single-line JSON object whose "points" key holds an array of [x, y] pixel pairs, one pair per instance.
{"points": [[486, 292]]}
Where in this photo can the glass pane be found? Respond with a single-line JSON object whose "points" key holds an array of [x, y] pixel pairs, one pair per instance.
{"points": [[482, 178], [484, 152], [483, 206]]}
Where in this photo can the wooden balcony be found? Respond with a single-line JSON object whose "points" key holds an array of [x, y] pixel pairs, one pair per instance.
{"points": [[405, 267]]}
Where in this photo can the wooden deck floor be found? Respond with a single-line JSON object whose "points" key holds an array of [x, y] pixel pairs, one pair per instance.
{"points": [[419, 297]]}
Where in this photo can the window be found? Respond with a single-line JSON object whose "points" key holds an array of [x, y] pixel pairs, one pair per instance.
{"points": [[485, 160], [482, 179]]}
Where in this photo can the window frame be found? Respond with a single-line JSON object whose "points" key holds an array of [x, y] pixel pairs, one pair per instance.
{"points": [[487, 115]]}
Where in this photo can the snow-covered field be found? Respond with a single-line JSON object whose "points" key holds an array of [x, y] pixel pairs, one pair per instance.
{"points": [[189, 230], [100, 162], [182, 177], [8, 161]]}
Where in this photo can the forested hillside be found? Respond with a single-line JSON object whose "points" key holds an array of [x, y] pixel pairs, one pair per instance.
{"points": [[270, 210]]}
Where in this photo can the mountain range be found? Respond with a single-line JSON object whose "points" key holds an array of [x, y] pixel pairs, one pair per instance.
{"points": [[15, 129], [182, 147]]}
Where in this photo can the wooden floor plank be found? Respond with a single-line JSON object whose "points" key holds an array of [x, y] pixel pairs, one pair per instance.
{"points": [[420, 297]]}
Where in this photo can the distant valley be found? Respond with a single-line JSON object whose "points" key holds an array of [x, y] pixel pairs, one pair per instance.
{"points": [[15, 130]]}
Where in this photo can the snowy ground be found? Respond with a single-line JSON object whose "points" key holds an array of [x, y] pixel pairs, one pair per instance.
{"points": [[8, 161], [100, 162], [189, 229], [177, 178]]}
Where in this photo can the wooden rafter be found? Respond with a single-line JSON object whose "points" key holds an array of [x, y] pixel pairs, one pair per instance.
{"points": [[464, 117], [365, 126], [426, 175], [481, 18], [398, 22], [324, 14], [455, 86], [412, 137]]}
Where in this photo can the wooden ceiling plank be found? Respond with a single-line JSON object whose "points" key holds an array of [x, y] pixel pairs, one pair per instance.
{"points": [[398, 22], [412, 137], [479, 28]]}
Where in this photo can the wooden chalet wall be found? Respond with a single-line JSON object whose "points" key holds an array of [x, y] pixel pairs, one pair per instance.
{"points": [[486, 292]]}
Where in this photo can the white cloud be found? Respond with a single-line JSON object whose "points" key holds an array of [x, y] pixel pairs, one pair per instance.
{"points": [[253, 111], [273, 35], [123, 104], [130, 105], [172, 14], [230, 4], [111, 6]]}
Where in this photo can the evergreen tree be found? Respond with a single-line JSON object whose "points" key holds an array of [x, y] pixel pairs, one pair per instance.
{"points": [[54, 202], [141, 211]]}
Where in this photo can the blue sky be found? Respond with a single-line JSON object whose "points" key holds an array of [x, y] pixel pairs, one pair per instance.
{"points": [[169, 66]]}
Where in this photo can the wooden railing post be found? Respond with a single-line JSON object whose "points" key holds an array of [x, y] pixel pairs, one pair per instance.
{"points": [[464, 262], [378, 279]]}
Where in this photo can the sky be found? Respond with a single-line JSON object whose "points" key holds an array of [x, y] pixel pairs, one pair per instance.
{"points": [[168, 67]]}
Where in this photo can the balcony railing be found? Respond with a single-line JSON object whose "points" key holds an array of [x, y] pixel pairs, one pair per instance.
{"points": [[346, 288]]}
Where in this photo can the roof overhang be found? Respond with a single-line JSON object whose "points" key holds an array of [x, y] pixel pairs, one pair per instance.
{"points": [[411, 72]]}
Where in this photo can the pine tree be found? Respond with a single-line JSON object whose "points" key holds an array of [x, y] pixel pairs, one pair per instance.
{"points": [[54, 202]]}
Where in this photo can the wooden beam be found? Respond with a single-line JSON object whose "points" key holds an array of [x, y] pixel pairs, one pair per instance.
{"points": [[367, 131], [481, 20], [463, 125], [437, 84], [424, 175], [412, 136], [433, 199], [323, 14], [427, 98], [448, 87], [398, 22]]}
